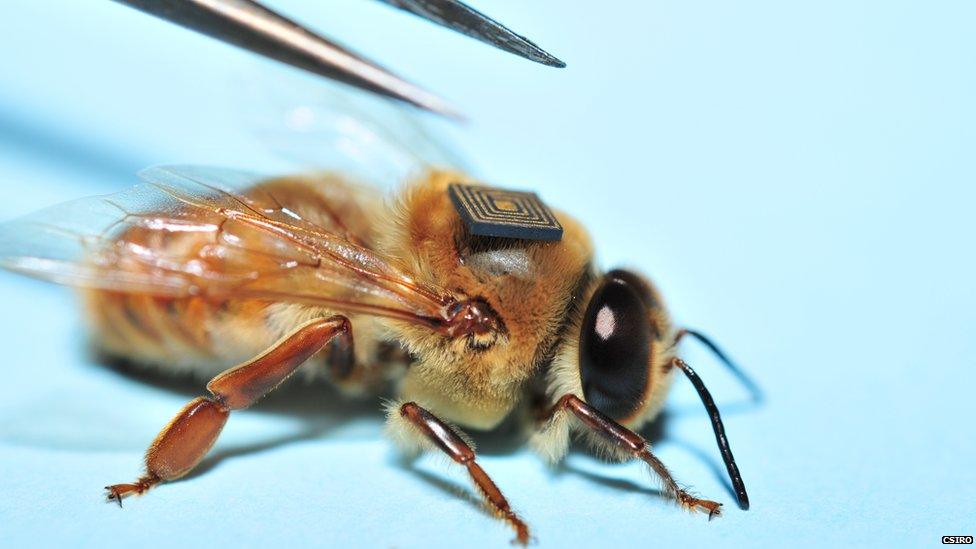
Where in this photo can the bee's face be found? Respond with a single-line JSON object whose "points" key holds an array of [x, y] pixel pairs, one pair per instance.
{"points": [[623, 347], [615, 348]]}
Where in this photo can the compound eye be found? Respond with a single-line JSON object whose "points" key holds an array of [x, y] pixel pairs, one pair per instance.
{"points": [[615, 348]]}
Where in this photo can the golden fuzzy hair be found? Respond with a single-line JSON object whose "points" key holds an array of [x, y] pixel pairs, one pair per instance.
{"points": [[478, 387]]}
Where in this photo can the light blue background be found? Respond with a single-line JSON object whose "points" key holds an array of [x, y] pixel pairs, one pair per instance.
{"points": [[797, 177]]}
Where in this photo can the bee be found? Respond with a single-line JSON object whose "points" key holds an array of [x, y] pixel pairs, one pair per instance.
{"points": [[244, 280]]}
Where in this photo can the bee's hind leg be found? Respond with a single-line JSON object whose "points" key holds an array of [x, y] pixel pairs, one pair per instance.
{"points": [[188, 437], [422, 423], [626, 444]]}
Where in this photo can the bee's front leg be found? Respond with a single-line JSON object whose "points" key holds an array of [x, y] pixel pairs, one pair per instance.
{"points": [[626, 444], [181, 445], [422, 423]]}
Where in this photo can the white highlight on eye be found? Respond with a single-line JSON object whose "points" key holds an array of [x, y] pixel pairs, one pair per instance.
{"points": [[605, 322]]}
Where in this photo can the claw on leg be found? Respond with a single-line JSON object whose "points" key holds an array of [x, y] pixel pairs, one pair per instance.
{"points": [[114, 494], [693, 504], [117, 492], [684, 499]]}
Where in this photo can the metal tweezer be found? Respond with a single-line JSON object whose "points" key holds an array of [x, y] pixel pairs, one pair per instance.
{"points": [[250, 25]]}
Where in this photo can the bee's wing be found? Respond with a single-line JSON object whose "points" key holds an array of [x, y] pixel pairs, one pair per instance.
{"points": [[189, 231], [315, 126]]}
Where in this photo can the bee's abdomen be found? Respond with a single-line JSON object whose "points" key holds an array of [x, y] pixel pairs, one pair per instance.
{"points": [[179, 335], [202, 334]]}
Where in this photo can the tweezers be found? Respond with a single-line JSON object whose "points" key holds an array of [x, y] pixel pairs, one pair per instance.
{"points": [[250, 25]]}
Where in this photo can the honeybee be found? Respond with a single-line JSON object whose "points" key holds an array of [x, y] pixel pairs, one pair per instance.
{"points": [[245, 279]]}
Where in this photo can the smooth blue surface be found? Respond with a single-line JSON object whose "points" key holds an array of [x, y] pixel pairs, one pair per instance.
{"points": [[797, 176]]}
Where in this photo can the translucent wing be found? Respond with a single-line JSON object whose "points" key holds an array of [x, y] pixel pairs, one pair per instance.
{"points": [[326, 126], [194, 231]]}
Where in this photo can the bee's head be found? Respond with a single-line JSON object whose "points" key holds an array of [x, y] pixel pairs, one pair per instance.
{"points": [[624, 347], [620, 344], [621, 358]]}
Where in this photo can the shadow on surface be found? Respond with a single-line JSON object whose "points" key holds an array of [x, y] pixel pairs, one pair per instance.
{"points": [[653, 433], [297, 397], [319, 406], [219, 456], [614, 483], [714, 465], [727, 409], [322, 409], [448, 487]]}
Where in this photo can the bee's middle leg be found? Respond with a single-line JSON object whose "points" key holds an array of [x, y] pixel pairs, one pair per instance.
{"points": [[447, 440], [181, 445]]}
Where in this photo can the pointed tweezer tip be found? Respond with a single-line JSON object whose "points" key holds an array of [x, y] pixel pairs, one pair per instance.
{"points": [[540, 55], [460, 17], [554, 62], [523, 47]]}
